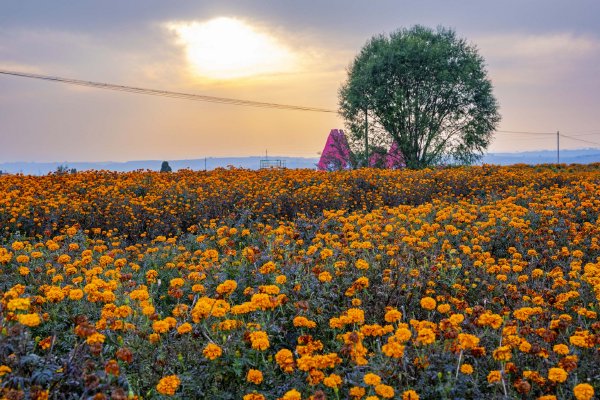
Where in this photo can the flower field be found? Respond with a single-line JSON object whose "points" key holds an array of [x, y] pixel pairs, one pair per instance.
{"points": [[479, 282]]}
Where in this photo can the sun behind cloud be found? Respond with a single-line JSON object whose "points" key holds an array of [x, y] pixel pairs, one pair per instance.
{"points": [[228, 48]]}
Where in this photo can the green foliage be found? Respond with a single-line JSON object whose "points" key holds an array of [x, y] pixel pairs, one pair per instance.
{"points": [[426, 90]]}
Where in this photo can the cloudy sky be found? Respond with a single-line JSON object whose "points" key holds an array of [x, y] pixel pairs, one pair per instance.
{"points": [[542, 57]]}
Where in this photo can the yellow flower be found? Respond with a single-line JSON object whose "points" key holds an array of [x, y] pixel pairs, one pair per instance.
{"points": [[426, 336], [467, 341], [557, 375], [292, 395], [212, 351], [285, 360], [259, 340], [75, 294], [304, 322], [333, 381], [184, 328], [30, 320], [255, 376], [583, 391], [372, 379], [384, 391], [494, 376], [561, 349], [325, 277], [5, 369], [428, 303], [502, 353], [410, 395], [253, 396], [227, 287], [168, 385], [95, 338], [357, 392], [466, 369], [392, 315]]}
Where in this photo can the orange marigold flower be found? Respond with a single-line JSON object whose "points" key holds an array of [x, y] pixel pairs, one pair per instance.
{"points": [[392, 315], [428, 303], [285, 360], [292, 395], [255, 376], [304, 322], [494, 376], [466, 369], [557, 375], [384, 391], [30, 320], [212, 351], [259, 340], [410, 395], [372, 379], [254, 396], [184, 328], [357, 392], [467, 341], [583, 391], [333, 381], [426, 336], [227, 287], [561, 349], [168, 385]]}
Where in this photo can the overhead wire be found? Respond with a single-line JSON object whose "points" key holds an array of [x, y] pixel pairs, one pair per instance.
{"points": [[171, 94]]}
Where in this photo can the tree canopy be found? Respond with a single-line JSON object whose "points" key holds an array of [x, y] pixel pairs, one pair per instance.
{"points": [[427, 90]]}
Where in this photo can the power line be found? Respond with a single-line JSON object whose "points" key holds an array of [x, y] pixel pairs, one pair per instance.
{"points": [[580, 140], [165, 93], [527, 133]]}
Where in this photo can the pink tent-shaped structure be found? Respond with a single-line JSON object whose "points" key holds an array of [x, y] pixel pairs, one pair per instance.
{"points": [[336, 154], [394, 159]]}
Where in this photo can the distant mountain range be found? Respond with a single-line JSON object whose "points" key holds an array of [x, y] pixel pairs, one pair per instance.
{"points": [[584, 156]]}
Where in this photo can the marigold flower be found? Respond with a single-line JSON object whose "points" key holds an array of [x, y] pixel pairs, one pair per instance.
{"points": [[384, 391], [304, 322], [333, 381], [30, 320], [494, 376], [168, 385], [212, 351], [392, 315], [583, 391], [184, 328], [467, 341], [425, 336], [561, 349], [372, 379], [254, 396], [292, 395], [255, 376], [259, 340], [285, 360], [357, 392], [410, 395], [557, 375], [227, 287], [466, 369], [428, 303]]}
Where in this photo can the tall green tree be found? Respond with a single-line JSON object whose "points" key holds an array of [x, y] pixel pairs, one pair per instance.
{"points": [[425, 89]]}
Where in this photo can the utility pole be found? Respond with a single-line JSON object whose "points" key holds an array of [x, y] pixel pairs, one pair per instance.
{"points": [[204, 163], [558, 147], [366, 138]]}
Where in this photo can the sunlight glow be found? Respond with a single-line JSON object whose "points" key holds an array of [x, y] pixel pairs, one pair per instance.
{"points": [[227, 48]]}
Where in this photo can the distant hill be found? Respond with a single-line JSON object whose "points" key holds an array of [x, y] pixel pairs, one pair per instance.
{"points": [[585, 156]]}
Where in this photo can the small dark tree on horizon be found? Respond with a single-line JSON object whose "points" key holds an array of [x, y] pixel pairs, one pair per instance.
{"points": [[165, 167], [424, 89]]}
